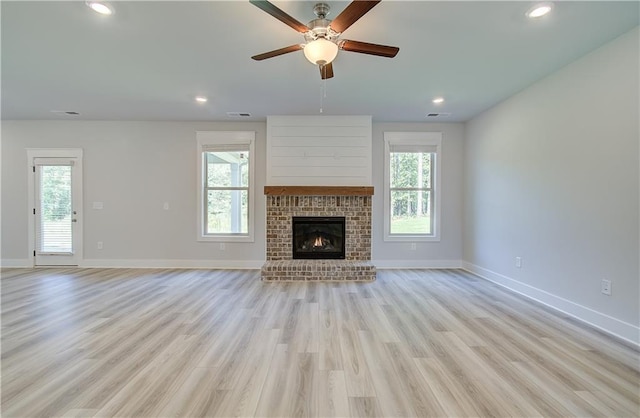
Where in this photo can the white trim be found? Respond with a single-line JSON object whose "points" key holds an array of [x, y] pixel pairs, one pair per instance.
{"points": [[599, 320], [417, 264], [155, 263], [16, 262], [417, 139], [205, 139]]}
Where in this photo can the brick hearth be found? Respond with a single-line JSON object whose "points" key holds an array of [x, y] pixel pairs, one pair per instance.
{"points": [[354, 203]]}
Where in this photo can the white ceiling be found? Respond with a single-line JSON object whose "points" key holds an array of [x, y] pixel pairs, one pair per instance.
{"points": [[151, 58]]}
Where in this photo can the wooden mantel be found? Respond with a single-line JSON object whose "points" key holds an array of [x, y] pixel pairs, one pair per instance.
{"points": [[318, 190]]}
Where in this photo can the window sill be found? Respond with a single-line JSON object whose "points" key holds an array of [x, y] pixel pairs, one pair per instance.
{"points": [[225, 238], [412, 238]]}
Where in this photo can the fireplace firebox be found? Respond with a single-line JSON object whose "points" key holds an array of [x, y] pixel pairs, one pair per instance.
{"points": [[318, 237]]}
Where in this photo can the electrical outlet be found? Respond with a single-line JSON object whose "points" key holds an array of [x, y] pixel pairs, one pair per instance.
{"points": [[223, 246], [519, 262], [413, 246], [605, 287], [166, 206], [99, 245]]}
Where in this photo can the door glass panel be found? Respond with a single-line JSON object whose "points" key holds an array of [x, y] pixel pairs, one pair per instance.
{"points": [[54, 234]]}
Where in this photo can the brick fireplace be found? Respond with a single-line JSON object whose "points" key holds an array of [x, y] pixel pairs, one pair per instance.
{"points": [[286, 202]]}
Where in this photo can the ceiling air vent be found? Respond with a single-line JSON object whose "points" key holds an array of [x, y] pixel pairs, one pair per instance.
{"points": [[438, 115], [239, 114], [65, 112]]}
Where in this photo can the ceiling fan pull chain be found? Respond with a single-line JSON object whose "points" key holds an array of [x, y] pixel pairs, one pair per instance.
{"points": [[322, 94], [324, 87]]}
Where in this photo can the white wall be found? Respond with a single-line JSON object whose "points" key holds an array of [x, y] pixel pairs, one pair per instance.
{"points": [[448, 251], [133, 168], [552, 176]]}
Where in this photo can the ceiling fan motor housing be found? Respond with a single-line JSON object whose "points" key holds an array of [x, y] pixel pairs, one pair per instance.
{"points": [[319, 28], [321, 10]]}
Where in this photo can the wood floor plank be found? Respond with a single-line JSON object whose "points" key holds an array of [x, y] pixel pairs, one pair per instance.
{"points": [[222, 343], [526, 392], [273, 397], [392, 399], [493, 385], [556, 390], [80, 413], [356, 370], [455, 400], [365, 407], [196, 397], [244, 394], [330, 358], [332, 397]]}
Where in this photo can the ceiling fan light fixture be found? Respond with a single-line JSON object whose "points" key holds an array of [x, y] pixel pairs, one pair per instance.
{"points": [[320, 51]]}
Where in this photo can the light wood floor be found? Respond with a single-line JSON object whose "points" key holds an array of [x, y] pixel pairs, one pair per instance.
{"points": [[165, 343]]}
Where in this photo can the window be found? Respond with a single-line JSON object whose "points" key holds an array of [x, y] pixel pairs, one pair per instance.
{"points": [[412, 186], [225, 186]]}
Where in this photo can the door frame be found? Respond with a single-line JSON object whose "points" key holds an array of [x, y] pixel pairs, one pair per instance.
{"points": [[33, 153]]}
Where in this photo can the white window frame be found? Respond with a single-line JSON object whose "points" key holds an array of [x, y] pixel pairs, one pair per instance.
{"points": [[219, 140], [413, 141]]}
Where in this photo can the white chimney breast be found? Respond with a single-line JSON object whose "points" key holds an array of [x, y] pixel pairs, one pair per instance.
{"points": [[319, 151]]}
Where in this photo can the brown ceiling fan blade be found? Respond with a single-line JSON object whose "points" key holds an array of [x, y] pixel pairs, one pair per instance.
{"points": [[280, 15], [354, 11], [276, 52], [326, 71], [371, 49]]}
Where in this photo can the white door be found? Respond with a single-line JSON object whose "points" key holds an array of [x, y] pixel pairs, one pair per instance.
{"points": [[57, 205]]}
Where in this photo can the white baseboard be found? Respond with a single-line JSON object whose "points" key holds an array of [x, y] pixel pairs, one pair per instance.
{"points": [[229, 264], [606, 323], [417, 264], [16, 262], [194, 264]]}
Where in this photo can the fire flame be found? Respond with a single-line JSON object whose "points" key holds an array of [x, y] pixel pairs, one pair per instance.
{"points": [[317, 242]]}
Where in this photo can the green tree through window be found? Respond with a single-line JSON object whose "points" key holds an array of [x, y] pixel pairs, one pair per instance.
{"points": [[411, 192]]}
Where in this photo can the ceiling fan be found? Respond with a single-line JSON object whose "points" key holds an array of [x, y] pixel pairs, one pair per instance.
{"points": [[322, 35]]}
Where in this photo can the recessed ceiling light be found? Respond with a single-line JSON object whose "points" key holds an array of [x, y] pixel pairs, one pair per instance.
{"points": [[201, 99], [539, 10], [438, 100], [100, 7]]}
